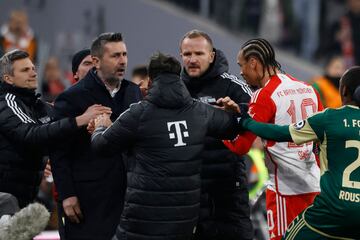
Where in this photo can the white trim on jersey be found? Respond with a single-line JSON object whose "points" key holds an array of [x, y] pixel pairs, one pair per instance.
{"points": [[236, 80], [255, 96], [281, 214], [278, 214], [285, 216], [10, 100]]}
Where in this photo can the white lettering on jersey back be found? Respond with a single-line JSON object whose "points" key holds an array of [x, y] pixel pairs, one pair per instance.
{"points": [[178, 133]]}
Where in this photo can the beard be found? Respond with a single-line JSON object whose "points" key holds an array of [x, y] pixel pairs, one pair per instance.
{"points": [[113, 80], [110, 75]]}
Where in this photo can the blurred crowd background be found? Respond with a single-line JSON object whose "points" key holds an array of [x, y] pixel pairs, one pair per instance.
{"points": [[311, 29], [308, 33]]}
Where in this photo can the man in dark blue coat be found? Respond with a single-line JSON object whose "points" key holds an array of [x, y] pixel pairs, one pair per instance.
{"points": [[91, 186]]}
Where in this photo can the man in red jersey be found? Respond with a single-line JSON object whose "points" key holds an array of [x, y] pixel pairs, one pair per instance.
{"points": [[281, 99]]}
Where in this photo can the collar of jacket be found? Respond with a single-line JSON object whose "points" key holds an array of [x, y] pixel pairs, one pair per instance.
{"points": [[96, 82], [28, 96], [168, 91], [218, 66]]}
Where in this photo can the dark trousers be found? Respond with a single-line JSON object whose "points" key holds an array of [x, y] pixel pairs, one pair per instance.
{"points": [[101, 203], [226, 215]]}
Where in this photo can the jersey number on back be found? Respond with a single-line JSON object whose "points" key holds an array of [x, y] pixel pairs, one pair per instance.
{"points": [[346, 182], [307, 102]]}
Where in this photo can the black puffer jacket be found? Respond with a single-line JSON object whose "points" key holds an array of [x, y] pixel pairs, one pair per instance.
{"points": [[165, 134], [24, 136], [225, 212]]}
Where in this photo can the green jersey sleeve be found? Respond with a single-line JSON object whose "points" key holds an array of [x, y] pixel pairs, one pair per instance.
{"points": [[311, 129], [267, 131]]}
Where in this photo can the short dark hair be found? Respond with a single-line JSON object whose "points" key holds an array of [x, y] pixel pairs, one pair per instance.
{"points": [[351, 79], [195, 34], [97, 46], [7, 60], [140, 70], [262, 50], [161, 63]]}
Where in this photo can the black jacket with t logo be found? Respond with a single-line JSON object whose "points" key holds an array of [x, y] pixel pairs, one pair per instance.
{"points": [[165, 135]]}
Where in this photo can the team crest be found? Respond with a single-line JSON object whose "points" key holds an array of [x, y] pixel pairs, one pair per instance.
{"points": [[299, 125]]}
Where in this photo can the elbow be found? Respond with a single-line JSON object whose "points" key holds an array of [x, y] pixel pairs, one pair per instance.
{"points": [[240, 148], [243, 148]]}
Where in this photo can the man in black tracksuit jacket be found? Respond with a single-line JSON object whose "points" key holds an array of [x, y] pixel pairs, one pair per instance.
{"points": [[165, 135], [91, 186], [225, 211], [25, 131]]}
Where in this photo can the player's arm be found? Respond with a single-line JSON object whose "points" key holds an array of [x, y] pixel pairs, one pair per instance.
{"points": [[301, 132], [241, 144], [120, 135], [267, 131], [262, 109]]}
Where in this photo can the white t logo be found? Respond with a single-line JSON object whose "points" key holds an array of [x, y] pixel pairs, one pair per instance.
{"points": [[178, 134]]}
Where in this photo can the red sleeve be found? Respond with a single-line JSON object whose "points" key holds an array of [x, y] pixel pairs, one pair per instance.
{"points": [[262, 109], [241, 144]]}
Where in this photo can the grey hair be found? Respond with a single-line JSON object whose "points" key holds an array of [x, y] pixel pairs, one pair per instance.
{"points": [[7, 60]]}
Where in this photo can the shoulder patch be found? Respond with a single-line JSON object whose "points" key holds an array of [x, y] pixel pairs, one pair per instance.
{"points": [[299, 125]]}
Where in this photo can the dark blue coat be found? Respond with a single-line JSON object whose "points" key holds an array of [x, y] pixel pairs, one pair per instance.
{"points": [[98, 181]]}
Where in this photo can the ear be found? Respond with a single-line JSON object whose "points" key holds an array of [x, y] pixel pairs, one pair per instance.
{"points": [[96, 61], [212, 56], [253, 62], [8, 79], [76, 76], [344, 92], [345, 96]]}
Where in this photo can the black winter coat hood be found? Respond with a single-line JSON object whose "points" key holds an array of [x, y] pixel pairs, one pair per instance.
{"points": [[168, 91]]}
